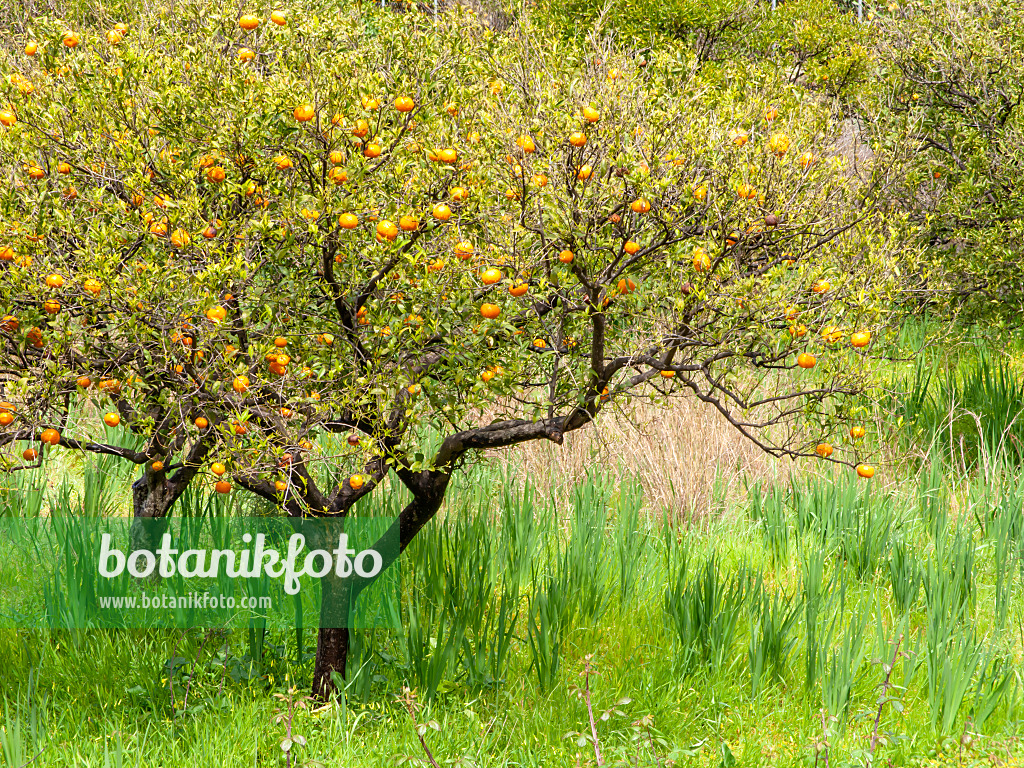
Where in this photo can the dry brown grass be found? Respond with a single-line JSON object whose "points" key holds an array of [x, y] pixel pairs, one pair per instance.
{"points": [[686, 457]]}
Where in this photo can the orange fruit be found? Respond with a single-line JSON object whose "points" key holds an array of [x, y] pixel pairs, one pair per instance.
{"points": [[218, 469], [823, 449], [448, 156], [222, 486], [54, 281], [248, 22], [860, 339], [30, 454], [303, 113], [640, 205], [201, 422], [356, 482], [778, 144], [806, 159], [805, 360], [584, 172], [280, 341], [631, 247], [246, 55], [591, 115], [348, 221], [490, 311], [831, 334], [701, 260], [491, 276], [577, 138], [821, 286], [566, 256], [71, 40], [372, 150], [215, 175], [625, 286], [519, 289], [739, 136], [157, 466], [525, 143], [857, 432], [668, 374], [279, 18], [361, 129], [31, 48], [409, 223], [6, 417], [84, 382], [50, 436], [386, 230], [865, 471], [7, 118], [441, 212], [51, 306], [216, 314], [240, 384], [180, 238], [404, 104], [487, 376], [459, 194]]}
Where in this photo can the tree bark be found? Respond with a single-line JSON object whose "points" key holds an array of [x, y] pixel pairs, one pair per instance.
{"points": [[152, 499], [333, 638]]}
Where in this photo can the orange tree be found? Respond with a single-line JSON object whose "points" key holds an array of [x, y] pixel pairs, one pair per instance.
{"points": [[235, 236]]}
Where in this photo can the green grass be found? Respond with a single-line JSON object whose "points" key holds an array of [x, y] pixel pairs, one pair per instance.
{"points": [[734, 641]]}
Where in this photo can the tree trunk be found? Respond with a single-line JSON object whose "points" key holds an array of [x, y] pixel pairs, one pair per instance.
{"points": [[333, 638], [331, 656], [152, 499]]}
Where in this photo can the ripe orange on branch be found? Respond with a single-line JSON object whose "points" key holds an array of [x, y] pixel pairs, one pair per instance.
{"points": [[860, 339], [806, 360]]}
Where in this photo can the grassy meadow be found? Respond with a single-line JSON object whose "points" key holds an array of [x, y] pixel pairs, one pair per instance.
{"points": [[703, 604]]}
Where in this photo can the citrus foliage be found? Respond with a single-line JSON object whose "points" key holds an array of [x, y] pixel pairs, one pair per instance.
{"points": [[239, 233]]}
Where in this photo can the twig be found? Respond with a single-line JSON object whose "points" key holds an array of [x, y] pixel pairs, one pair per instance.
{"points": [[587, 671], [886, 685]]}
